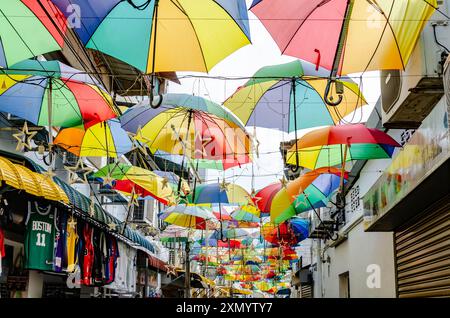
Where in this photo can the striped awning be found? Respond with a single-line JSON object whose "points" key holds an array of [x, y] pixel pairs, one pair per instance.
{"points": [[22, 178]]}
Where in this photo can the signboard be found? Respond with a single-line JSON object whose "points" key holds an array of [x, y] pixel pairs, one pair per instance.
{"points": [[427, 149]]}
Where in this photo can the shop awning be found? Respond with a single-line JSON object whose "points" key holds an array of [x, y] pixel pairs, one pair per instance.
{"points": [[58, 190], [22, 178], [157, 263]]}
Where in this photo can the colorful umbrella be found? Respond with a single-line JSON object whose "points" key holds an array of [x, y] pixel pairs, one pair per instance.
{"points": [[174, 180], [309, 191], [191, 126], [213, 242], [290, 97], [331, 146], [142, 181], [281, 234], [247, 213], [196, 217], [348, 36], [190, 35], [174, 233], [228, 193], [30, 89], [29, 28], [263, 198], [104, 139]]}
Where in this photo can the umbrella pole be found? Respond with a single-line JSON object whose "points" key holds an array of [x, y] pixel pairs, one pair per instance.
{"points": [[153, 78], [295, 169], [49, 113], [187, 273], [338, 57], [341, 182], [184, 157]]}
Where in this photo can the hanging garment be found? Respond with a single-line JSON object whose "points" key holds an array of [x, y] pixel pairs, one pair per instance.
{"points": [[40, 236], [72, 245], [100, 257], [86, 255], [60, 242], [131, 270], [113, 254], [121, 270]]}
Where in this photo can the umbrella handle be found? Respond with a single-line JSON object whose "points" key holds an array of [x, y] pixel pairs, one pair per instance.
{"points": [[151, 96], [329, 98]]}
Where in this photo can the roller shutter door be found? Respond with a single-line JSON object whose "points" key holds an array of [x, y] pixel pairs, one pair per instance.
{"points": [[422, 249]]}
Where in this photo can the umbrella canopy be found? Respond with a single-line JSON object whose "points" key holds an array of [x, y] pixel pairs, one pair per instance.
{"points": [[263, 198], [76, 99], [213, 242], [190, 35], [230, 193], [290, 97], [144, 182], [174, 233], [173, 180], [247, 213], [188, 216], [311, 190], [235, 233], [281, 234], [326, 146], [192, 126], [29, 28], [104, 139], [372, 35]]}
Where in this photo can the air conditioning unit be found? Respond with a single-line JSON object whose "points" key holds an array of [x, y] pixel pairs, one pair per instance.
{"points": [[409, 96]]}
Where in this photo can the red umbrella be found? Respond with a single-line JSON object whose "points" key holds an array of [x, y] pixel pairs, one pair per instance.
{"points": [[263, 198]]}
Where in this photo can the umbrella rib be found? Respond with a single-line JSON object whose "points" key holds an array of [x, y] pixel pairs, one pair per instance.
{"points": [[301, 24], [196, 35]]}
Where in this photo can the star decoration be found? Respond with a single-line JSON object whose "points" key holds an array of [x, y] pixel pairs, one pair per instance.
{"points": [[133, 226], [108, 180], [256, 199], [164, 182], [81, 167], [171, 269], [24, 138], [139, 141], [133, 199], [224, 185], [92, 208], [72, 223], [112, 226], [49, 174], [205, 142], [283, 182]]}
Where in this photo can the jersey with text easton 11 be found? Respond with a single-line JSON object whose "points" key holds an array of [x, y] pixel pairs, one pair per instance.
{"points": [[40, 237]]}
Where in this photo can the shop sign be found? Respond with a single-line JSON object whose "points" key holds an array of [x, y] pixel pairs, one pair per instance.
{"points": [[427, 149]]}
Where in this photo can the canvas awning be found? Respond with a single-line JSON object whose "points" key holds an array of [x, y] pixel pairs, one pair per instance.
{"points": [[22, 178]]}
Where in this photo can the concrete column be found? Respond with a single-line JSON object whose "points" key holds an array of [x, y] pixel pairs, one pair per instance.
{"points": [[35, 284]]}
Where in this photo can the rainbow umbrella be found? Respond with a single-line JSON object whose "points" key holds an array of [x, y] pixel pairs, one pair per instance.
{"points": [[191, 216], [223, 193], [31, 88], [104, 139], [190, 35], [194, 127], [263, 197], [144, 182], [29, 28], [247, 213], [309, 191], [347, 36], [174, 233], [290, 97], [335, 145]]}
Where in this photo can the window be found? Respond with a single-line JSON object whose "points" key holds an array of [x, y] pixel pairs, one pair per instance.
{"points": [[355, 200], [138, 211]]}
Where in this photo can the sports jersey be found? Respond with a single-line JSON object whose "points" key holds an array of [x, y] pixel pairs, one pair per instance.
{"points": [[60, 242], [87, 255], [113, 254], [100, 256], [40, 236], [72, 246]]}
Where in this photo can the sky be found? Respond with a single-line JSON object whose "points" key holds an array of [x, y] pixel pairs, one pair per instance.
{"points": [[268, 167]]}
